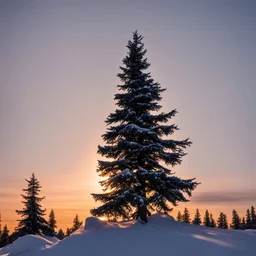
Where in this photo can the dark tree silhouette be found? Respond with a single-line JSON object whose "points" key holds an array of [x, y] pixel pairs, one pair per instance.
{"points": [[4, 238], [197, 219], [236, 221], [186, 216], [207, 220], [32, 214], [179, 216], [60, 234], [248, 220], [52, 223], [212, 222], [137, 183], [222, 221], [76, 224], [253, 218]]}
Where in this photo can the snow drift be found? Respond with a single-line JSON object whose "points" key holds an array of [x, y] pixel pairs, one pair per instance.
{"points": [[27, 243], [162, 235]]}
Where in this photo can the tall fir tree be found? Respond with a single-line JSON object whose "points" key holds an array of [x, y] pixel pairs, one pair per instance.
{"points": [[253, 217], [137, 182], [207, 221], [212, 222], [32, 214], [179, 216], [186, 216], [197, 219], [52, 223], [222, 221], [248, 220], [76, 224], [4, 239], [236, 221]]}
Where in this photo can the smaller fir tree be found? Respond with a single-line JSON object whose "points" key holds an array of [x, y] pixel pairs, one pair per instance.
{"points": [[236, 221], [212, 222], [222, 221], [68, 232], [52, 223], [76, 224], [248, 220], [179, 216], [4, 239], [186, 216], [32, 221], [207, 221], [60, 234], [197, 219], [243, 224]]}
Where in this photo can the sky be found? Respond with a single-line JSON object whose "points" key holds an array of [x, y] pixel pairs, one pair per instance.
{"points": [[58, 66]]}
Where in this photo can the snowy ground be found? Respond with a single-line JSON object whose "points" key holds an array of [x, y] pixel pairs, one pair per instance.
{"points": [[161, 236]]}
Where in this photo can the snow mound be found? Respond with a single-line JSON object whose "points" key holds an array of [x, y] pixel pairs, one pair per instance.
{"points": [[160, 236], [94, 223], [25, 244]]}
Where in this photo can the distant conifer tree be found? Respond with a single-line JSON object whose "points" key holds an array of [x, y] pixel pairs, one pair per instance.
{"points": [[212, 222], [197, 219], [236, 221], [243, 225], [179, 216], [253, 218], [52, 223], [222, 221], [32, 214], [60, 234], [186, 216], [248, 220], [4, 239], [207, 221], [136, 178], [68, 232], [76, 224]]}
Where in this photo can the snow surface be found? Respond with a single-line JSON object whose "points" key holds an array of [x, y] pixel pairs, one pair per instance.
{"points": [[162, 235]]}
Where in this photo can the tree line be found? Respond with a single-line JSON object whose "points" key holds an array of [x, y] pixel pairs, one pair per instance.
{"points": [[32, 220], [247, 222]]}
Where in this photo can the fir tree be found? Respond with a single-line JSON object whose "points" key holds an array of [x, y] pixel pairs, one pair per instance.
{"points": [[52, 223], [137, 182], [236, 221], [207, 221], [186, 216], [248, 220], [32, 214], [179, 216], [60, 234], [68, 232], [197, 219], [212, 222], [222, 221], [253, 218], [76, 224], [243, 225], [4, 239]]}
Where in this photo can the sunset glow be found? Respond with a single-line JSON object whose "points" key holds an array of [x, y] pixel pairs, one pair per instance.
{"points": [[59, 61]]}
